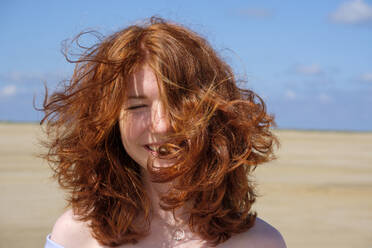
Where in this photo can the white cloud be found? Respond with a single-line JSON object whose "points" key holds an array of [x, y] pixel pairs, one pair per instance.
{"points": [[8, 90], [366, 77], [290, 95], [324, 98], [309, 69], [19, 76], [256, 12], [31, 77], [352, 12]]}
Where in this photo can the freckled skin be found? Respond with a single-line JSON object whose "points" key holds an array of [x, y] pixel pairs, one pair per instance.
{"points": [[142, 118], [143, 122]]}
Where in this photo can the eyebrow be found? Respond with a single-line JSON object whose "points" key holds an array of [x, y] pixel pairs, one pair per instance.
{"points": [[137, 97]]}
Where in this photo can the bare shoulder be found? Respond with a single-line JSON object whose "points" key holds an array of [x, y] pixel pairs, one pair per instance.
{"points": [[68, 231], [261, 235], [265, 235]]}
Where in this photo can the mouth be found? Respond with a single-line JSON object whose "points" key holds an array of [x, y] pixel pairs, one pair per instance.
{"points": [[155, 149], [152, 148]]}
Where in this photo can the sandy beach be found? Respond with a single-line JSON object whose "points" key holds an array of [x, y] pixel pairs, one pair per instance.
{"points": [[318, 192]]}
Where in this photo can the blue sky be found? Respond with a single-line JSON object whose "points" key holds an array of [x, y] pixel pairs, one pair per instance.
{"points": [[310, 60]]}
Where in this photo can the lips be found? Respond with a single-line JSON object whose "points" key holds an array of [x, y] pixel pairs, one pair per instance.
{"points": [[156, 149], [152, 148]]}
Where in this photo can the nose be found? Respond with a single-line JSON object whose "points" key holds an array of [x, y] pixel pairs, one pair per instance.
{"points": [[159, 119]]}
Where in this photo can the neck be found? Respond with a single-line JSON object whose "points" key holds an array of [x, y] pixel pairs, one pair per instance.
{"points": [[174, 229], [154, 191]]}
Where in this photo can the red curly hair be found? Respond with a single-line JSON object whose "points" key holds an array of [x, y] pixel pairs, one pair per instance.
{"points": [[220, 133]]}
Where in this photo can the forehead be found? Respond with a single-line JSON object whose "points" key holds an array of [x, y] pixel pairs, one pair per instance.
{"points": [[143, 83]]}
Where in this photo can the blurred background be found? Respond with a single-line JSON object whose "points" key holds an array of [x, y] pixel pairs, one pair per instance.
{"points": [[311, 61]]}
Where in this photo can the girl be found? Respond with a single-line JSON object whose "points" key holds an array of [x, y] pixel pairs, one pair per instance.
{"points": [[155, 144]]}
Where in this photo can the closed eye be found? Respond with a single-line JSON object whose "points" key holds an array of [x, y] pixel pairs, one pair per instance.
{"points": [[136, 107]]}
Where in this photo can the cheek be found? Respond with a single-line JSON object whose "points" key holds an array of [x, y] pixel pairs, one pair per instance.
{"points": [[132, 126]]}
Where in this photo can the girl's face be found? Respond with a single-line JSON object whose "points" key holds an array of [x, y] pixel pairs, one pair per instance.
{"points": [[143, 120]]}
